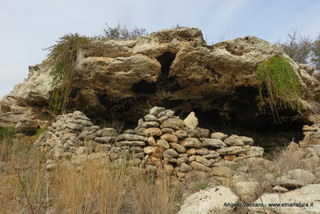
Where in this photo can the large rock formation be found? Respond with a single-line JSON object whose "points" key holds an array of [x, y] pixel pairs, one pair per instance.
{"points": [[120, 80]]}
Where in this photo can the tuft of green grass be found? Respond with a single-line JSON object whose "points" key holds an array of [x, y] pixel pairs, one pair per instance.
{"points": [[280, 86], [40, 131], [202, 185], [7, 132], [62, 58]]}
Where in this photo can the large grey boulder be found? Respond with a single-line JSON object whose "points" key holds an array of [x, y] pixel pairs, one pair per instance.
{"points": [[210, 200], [305, 200]]}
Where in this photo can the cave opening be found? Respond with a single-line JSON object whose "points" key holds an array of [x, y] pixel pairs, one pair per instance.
{"points": [[266, 132], [239, 114], [165, 61], [144, 88]]}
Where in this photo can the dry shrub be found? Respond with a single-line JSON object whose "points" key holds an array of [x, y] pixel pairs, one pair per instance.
{"points": [[25, 186], [22, 179], [154, 196], [286, 160]]}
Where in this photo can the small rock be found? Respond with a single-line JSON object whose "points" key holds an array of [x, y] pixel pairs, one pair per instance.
{"points": [[150, 117], [202, 151], [218, 135], [74, 126], [182, 160], [233, 150], [174, 123], [170, 153], [213, 143], [185, 167], [178, 147], [131, 143], [234, 140], [83, 122], [181, 134], [163, 143], [167, 131], [151, 124], [191, 151], [203, 133], [246, 140], [203, 160], [191, 142], [150, 132], [156, 110], [151, 141], [80, 115], [278, 188], [192, 158], [255, 151], [169, 113], [199, 166], [105, 140], [191, 121], [193, 133], [211, 155], [149, 150], [292, 147], [169, 138], [162, 119], [131, 137]]}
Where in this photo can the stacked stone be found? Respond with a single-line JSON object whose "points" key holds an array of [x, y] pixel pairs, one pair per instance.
{"points": [[182, 148], [160, 140], [73, 135]]}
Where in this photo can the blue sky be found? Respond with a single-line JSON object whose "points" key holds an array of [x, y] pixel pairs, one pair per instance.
{"points": [[29, 26]]}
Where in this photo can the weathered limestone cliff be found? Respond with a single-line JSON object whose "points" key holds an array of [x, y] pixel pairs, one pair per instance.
{"points": [[118, 81]]}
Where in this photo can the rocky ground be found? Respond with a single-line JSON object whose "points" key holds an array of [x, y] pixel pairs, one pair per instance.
{"points": [[231, 166]]}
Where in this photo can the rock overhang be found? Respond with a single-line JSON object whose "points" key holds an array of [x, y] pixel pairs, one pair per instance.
{"points": [[120, 80]]}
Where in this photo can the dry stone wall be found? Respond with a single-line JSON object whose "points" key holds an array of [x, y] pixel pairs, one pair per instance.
{"points": [[161, 139]]}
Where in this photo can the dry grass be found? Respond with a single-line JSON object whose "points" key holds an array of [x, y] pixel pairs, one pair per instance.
{"points": [[25, 187], [286, 160]]}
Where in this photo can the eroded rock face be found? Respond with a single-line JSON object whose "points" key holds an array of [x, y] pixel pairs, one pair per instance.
{"points": [[120, 80]]}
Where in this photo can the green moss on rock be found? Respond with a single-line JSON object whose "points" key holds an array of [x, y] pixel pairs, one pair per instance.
{"points": [[280, 86]]}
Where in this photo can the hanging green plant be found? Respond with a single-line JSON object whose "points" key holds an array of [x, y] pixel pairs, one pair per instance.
{"points": [[280, 86], [62, 58]]}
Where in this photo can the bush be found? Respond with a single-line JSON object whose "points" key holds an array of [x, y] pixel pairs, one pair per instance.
{"points": [[62, 58], [121, 32], [279, 85]]}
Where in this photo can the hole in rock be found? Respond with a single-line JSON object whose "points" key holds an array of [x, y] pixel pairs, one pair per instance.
{"points": [[238, 114], [144, 87], [262, 128], [165, 60]]}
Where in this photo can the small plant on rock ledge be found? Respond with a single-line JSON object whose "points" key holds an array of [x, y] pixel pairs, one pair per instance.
{"points": [[62, 58], [279, 85]]}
